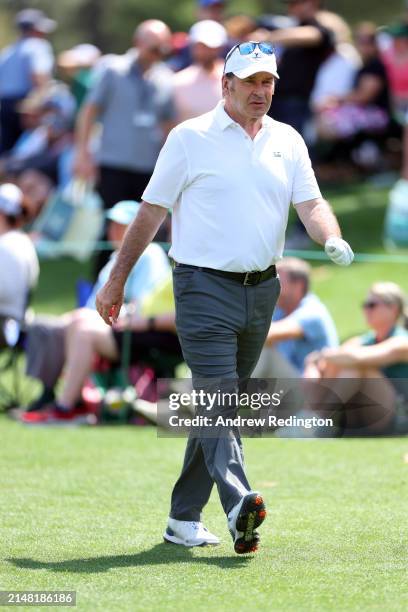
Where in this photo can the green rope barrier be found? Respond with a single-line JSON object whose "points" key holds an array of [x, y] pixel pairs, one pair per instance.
{"points": [[397, 258]]}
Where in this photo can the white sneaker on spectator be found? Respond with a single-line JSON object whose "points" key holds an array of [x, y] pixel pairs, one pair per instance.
{"points": [[189, 533]]}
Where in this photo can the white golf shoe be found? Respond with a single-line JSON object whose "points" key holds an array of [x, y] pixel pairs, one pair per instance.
{"points": [[243, 519], [189, 533]]}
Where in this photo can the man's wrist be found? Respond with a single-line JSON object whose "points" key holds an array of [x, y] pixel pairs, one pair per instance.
{"points": [[336, 236]]}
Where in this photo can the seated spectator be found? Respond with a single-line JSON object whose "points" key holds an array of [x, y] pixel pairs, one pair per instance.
{"points": [[89, 336], [36, 188], [46, 337], [371, 370], [365, 109], [19, 267], [301, 324], [197, 89], [43, 146]]}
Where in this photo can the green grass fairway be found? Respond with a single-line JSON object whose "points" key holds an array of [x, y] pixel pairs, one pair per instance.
{"points": [[84, 509]]}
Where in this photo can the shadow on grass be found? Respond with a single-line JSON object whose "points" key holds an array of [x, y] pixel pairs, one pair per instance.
{"points": [[161, 554]]}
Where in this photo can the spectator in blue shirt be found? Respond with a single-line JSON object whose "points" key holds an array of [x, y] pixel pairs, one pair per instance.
{"points": [[301, 324], [47, 336], [24, 65]]}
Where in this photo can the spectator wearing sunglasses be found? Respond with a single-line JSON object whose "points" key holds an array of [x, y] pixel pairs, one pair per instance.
{"points": [[372, 369], [133, 102], [229, 177]]}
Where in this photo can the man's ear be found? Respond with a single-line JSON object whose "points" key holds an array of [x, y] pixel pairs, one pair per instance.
{"points": [[224, 84]]}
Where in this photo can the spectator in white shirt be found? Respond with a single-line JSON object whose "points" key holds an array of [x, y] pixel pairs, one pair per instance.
{"points": [[197, 89], [19, 267]]}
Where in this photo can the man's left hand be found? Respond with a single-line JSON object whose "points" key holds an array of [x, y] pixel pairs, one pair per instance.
{"points": [[339, 251]]}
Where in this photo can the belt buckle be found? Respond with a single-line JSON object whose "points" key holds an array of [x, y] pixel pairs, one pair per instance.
{"points": [[248, 277]]}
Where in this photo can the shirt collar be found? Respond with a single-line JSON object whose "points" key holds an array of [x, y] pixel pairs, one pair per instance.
{"points": [[224, 120]]}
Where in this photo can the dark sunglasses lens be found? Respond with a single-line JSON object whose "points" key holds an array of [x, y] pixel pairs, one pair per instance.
{"points": [[266, 48], [370, 305]]}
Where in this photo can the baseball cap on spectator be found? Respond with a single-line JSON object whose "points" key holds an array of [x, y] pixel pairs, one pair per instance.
{"points": [[123, 212], [205, 3], [208, 32], [34, 19], [244, 66], [80, 56], [11, 200]]}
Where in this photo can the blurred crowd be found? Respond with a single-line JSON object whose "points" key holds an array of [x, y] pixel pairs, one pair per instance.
{"points": [[92, 118]]}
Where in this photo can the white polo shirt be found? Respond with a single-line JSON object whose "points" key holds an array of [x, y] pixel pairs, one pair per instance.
{"points": [[230, 194]]}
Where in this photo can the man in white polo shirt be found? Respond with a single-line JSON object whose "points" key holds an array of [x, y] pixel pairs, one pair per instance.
{"points": [[229, 176]]}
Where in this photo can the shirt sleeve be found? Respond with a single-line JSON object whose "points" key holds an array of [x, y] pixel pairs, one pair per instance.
{"points": [[41, 57], [305, 185], [170, 176], [100, 92], [310, 324]]}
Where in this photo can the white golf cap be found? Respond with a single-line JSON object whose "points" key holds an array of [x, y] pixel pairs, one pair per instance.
{"points": [[209, 33], [244, 66], [11, 199], [83, 55]]}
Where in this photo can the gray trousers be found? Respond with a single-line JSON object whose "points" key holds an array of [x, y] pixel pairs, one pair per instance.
{"points": [[222, 326], [46, 349]]}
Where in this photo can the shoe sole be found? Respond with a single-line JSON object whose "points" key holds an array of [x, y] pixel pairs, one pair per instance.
{"points": [[251, 516], [168, 539]]}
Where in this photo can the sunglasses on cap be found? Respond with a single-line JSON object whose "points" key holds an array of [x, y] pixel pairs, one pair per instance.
{"points": [[246, 48]]}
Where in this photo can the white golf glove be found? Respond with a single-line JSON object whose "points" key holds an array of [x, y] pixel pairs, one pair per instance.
{"points": [[339, 251]]}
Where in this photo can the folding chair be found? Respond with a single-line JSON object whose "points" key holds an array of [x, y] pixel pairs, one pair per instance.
{"points": [[16, 389]]}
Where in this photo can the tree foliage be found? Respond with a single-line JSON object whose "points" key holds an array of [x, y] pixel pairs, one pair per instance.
{"points": [[110, 23]]}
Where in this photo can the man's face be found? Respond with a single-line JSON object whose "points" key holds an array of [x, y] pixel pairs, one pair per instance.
{"points": [[250, 97], [292, 291], [153, 47]]}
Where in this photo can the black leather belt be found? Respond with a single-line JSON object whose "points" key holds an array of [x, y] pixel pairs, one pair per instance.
{"points": [[244, 278]]}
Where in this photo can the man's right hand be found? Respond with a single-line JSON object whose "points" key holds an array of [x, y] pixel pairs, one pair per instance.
{"points": [[109, 301]]}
